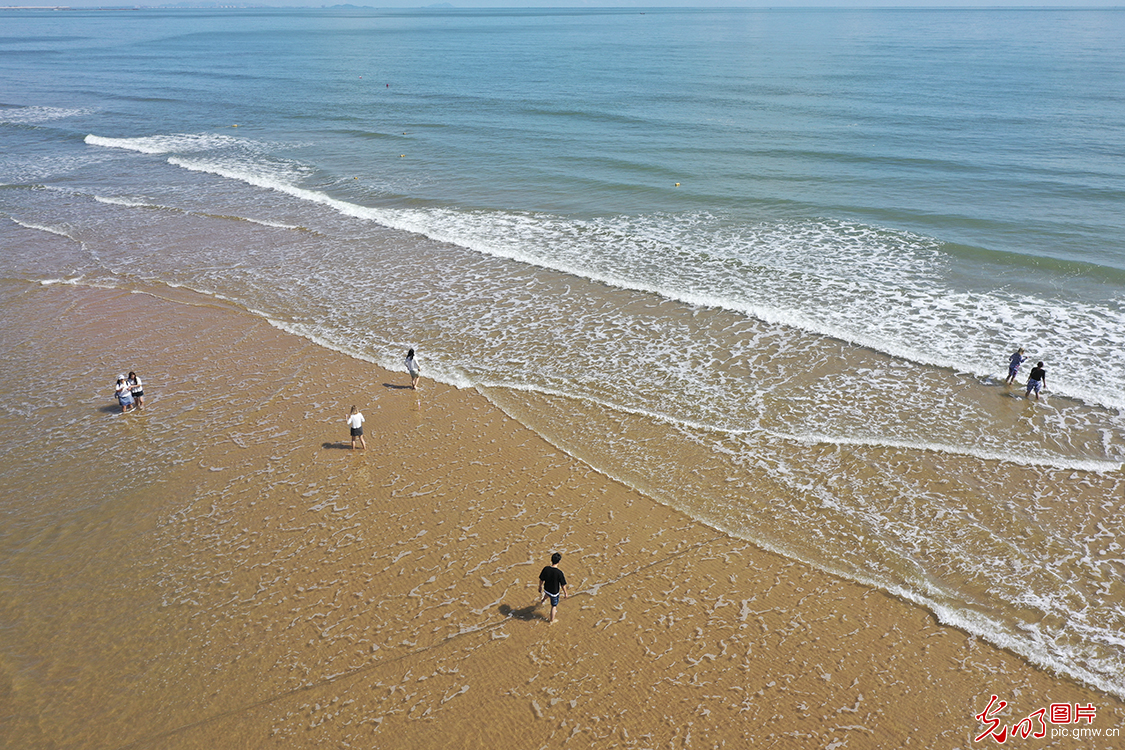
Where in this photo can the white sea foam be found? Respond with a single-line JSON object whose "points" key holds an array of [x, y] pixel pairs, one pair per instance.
{"points": [[76, 281], [276, 176], [168, 144], [138, 203], [39, 115], [271, 224], [1023, 457], [18, 168], [873, 287], [890, 285], [42, 228], [82, 281], [114, 201], [436, 372], [1037, 647]]}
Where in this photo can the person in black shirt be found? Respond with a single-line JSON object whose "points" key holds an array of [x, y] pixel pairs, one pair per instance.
{"points": [[552, 578], [1036, 380]]}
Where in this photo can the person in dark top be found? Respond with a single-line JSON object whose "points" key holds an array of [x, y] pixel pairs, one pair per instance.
{"points": [[552, 582], [1014, 363], [1036, 380]]}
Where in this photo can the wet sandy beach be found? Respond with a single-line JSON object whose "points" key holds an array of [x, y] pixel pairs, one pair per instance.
{"points": [[220, 570]]}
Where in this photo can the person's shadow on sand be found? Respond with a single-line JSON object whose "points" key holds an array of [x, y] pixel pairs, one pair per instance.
{"points": [[527, 614], [396, 386], [336, 446]]}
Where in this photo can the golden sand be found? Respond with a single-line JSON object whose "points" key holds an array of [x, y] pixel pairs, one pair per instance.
{"points": [[253, 582]]}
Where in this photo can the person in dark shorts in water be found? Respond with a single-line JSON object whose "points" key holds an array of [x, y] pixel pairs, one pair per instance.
{"points": [[1036, 380], [552, 583], [137, 388]]}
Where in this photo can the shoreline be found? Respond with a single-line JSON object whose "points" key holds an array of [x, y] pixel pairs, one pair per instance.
{"points": [[254, 581]]}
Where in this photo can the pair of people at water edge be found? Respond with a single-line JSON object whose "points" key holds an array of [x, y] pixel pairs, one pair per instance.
{"points": [[130, 392], [1036, 380], [355, 418]]}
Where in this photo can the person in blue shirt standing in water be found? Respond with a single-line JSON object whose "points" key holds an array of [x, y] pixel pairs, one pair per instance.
{"points": [[1014, 363]]}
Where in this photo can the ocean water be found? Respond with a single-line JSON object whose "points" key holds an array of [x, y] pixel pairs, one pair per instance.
{"points": [[766, 266]]}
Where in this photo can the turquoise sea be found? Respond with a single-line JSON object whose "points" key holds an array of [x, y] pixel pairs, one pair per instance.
{"points": [[766, 266]]}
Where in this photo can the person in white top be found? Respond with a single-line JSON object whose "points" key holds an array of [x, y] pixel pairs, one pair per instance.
{"points": [[137, 388], [413, 368], [355, 422], [124, 394]]}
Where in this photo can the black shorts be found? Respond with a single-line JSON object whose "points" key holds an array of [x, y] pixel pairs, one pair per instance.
{"points": [[357, 432]]}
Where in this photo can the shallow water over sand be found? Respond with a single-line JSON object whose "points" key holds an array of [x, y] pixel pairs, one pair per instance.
{"points": [[946, 488]]}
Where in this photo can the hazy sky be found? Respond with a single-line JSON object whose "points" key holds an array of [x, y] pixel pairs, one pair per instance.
{"points": [[591, 3]]}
